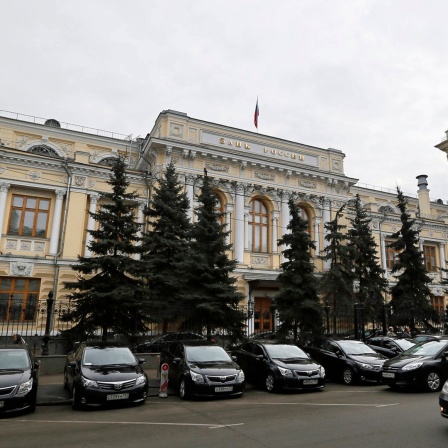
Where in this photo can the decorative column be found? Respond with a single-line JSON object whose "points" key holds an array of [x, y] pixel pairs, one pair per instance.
{"points": [[168, 150], [56, 227], [90, 223], [327, 218], [246, 227], [140, 220], [274, 224], [442, 259], [4, 187], [189, 181], [316, 222], [383, 253], [238, 243], [229, 211], [285, 218]]}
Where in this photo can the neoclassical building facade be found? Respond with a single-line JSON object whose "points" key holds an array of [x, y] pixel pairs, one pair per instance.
{"points": [[53, 173]]}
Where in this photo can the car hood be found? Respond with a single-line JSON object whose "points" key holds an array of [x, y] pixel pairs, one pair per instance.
{"points": [[218, 368], [402, 360], [302, 364], [14, 377], [112, 373], [368, 359]]}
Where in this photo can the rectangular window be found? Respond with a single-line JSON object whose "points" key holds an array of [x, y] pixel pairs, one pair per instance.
{"points": [[391, 255], [18, 299], [29, 216], [437, 304], [429, 255]]}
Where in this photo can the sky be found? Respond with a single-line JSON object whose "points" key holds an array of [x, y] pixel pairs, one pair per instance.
{"points": [[367, 77]]}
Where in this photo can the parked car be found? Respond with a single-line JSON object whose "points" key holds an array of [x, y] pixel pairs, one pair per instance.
{"points": [[427, 337], [443, 400], [276, 366], [18, 379], [425, 364], [389, 347], [347, 360], [104, 373], [159, 343], [202, 368]]}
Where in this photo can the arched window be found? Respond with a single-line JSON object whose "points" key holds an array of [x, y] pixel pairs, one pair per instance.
{"points": [[108, 161], [43, 151], [306, 217], [220, 209], [258, 227]]}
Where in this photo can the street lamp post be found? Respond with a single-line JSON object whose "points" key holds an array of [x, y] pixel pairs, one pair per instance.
{"points": [[46, 338], [386, 315], [250, 307], [327, 315]]}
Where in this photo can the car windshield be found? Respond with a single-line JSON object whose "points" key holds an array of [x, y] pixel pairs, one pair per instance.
{"points": [[356, 348], [207, 353], [405, 344], [14, 359], [429, 348], [284, 351], [102, 356]]}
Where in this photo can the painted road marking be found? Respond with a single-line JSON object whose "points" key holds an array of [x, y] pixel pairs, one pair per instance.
{"points": [[85, 422], [335, 404]]}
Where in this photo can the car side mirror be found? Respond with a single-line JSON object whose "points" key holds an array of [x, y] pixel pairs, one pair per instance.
{"points": [[259, 357], [141, 360], [338, 353], [445, 354], [72, 364], [234, 358], [176, 360]]}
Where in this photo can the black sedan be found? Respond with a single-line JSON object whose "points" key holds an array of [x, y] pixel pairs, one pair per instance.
{"points": [[18, 379], [424, 364], [443, 400], [347, 360], [104, 373], [279, 366], [388, 346], [202, 368], [159, 343]]}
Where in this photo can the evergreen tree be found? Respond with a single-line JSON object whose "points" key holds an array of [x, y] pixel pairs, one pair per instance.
{"points": [[214, 299], [366, 265], [410, 295], [107, 295], [298, 302], [445, 282], [165, 249], [336, 285]]}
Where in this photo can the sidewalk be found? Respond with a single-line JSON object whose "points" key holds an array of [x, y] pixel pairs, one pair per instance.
{"points": [[51, 390]]}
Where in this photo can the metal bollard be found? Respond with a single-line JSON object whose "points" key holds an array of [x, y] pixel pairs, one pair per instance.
{"points": [[163, 380]]}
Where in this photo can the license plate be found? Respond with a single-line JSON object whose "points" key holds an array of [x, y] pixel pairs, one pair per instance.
{"points": [[305, 382], [388, 375], [118, 397], [224, 389], [2, 404]]}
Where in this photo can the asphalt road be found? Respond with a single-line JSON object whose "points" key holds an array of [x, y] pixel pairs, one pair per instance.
{"points": [[362, 416]]}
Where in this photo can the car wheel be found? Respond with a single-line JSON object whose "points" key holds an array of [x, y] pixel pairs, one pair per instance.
{"points": [[348, 376], [184, 393], [270, 383], [76, 401], [433, 382]]}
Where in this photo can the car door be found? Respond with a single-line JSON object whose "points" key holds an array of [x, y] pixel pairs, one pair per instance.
{"points": [[176, 353], [444, 363], [245, 359], [73, 365], [259, 364]]}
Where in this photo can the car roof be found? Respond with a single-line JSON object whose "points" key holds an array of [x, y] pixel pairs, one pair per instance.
{"points": [[103, 344], [14, 347], [196, 342]]}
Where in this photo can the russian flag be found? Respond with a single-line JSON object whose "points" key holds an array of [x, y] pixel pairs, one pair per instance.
{"points": [[257, 112]]}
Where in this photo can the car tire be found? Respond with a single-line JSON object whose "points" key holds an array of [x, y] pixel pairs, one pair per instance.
{"points": [[433, 382], [270, 383], [76, 401], [184, 392], [348, 376]]}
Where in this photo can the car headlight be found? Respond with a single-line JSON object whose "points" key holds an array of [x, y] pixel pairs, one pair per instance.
{"points": [[364, 366], [285, 372], [140, 380], [445, 388], [196, 377], [88, 383], [24, 388], [240, 376], [412, 366], [322, 371]]}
